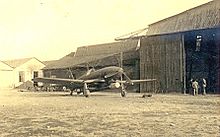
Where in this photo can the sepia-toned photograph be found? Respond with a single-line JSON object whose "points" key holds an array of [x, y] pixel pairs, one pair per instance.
{"points": [[109, 68]]}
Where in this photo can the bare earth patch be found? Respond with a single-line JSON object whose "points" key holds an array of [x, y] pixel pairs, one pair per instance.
{"points": [[107, 114]]}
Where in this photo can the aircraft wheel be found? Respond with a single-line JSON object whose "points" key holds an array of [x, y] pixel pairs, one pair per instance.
{"points": [[78, 93], [123, 93]]}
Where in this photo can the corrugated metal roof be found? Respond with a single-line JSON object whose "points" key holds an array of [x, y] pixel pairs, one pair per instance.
{"points": [[201, 17], [17, 62], [92, 53], [72, 54]]}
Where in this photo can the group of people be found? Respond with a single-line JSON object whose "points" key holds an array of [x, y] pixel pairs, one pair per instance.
{"points": [[196, 85]]}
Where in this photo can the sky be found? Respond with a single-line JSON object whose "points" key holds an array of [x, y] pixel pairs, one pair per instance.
{"points": [[51, 29]]}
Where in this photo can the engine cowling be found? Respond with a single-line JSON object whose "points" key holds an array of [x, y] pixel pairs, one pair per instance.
{"points": [[114, 85]]}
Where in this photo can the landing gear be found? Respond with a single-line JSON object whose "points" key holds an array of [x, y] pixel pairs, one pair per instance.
{"points": [[71, 92], [86, 91], [123, 91], [78, 92]]}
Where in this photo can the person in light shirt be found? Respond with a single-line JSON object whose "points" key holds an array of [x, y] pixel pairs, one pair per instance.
{"points": [[195, 86]]}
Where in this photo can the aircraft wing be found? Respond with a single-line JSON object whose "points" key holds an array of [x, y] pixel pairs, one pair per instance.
{"points": [[94, 81], [137, 81], [57, 80], [66, 81], [143, 80]]}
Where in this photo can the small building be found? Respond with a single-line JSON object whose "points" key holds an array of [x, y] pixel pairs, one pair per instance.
{"points": [[13, 73], [183, 47]]}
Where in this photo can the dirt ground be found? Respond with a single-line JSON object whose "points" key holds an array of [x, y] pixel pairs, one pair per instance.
{"points": [[107, 114]]}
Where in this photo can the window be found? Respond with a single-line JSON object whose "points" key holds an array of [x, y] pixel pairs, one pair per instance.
{"points": [[21, 76], [35, 74], [198, 43]]}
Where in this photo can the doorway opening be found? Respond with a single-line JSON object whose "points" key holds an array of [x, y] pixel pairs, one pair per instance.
{"points": [[202, 58]]}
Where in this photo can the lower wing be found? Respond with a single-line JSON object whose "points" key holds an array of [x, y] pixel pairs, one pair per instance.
{"points": [[66, 81], [56, 80]]}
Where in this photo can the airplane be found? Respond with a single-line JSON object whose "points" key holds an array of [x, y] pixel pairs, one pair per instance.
{"points": [[95, 80]]}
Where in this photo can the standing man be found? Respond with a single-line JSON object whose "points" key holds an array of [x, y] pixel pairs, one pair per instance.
{"points": [[204, 84], [195, 86]]}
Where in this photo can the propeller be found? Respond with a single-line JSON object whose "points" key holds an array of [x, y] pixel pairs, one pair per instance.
{"points": [[127, 78], [120, 64], [121, 72]]}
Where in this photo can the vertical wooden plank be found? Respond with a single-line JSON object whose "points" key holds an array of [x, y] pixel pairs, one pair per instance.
{"points": [[159, 67], [175, 65], [145, 59], [172, 56], [183, 66], [141, 66], [162, 81], [166, 67], [152, 65], [170, 48]]}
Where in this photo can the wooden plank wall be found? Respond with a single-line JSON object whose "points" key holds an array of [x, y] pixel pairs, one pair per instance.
{"points": [[161, 57]]}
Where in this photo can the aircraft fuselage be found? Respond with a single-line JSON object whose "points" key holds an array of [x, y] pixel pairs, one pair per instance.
{"points": [[102, 73]]}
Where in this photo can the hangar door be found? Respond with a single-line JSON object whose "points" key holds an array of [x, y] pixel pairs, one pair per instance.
{"points": [[161, 57], [6, 79]]}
